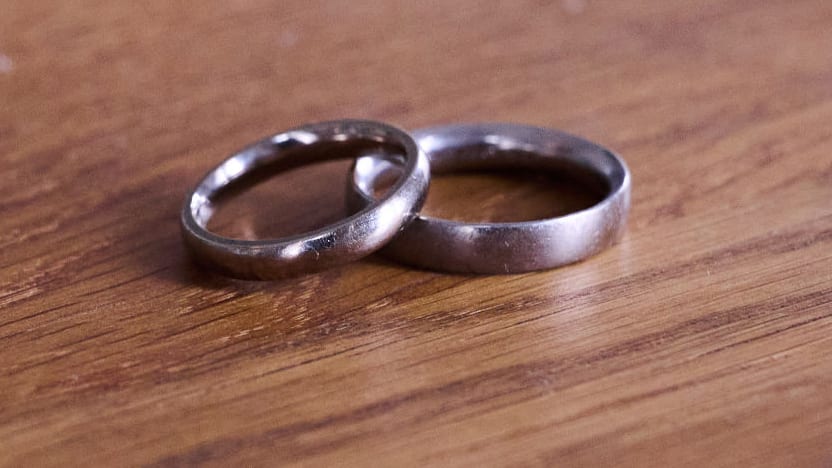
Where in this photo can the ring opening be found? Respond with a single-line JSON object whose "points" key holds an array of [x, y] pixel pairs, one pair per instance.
{"points": [[300, 192], [478, 184]]}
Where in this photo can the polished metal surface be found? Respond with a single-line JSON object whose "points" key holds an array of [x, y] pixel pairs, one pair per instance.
{"points": [[352, 238], [513, 247]]}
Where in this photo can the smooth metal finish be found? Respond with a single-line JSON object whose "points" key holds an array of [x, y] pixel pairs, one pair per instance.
{"points": [[440, 244], [352, 238]]}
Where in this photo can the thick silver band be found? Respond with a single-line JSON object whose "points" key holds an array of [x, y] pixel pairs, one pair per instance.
{"points": [[352, 238], [514, 247]]}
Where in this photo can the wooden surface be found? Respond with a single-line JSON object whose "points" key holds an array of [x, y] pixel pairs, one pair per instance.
{"points": [[702, 339]]}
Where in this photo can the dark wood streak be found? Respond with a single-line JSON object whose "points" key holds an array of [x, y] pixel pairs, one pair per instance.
{"points": [[514, 379], [782, 243]]}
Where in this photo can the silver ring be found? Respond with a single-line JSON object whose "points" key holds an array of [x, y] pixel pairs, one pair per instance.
{"points": [[445, 245], [352, 238]]}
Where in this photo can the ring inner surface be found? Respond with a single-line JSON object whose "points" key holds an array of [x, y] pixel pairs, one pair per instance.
{"points": [[481, 183], [295, 191], [299, 156]]}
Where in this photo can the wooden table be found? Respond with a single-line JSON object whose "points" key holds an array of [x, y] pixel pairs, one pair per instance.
{"points": [[702, 339]]}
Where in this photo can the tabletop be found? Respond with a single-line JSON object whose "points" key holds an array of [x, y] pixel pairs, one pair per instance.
{"points": [[701, 339]]}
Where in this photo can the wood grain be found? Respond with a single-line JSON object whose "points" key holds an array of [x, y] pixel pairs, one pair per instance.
{"points": [[703, 338]]}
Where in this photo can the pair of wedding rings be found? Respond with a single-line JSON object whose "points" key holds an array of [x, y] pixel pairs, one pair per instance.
{"points": [[391, 222]]}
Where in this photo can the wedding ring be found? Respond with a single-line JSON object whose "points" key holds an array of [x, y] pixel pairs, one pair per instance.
{"points": [[349, 239], [511, 247]]}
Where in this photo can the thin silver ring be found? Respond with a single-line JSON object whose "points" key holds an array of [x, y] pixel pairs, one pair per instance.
{"points": [[352, 238], [445, 245]]}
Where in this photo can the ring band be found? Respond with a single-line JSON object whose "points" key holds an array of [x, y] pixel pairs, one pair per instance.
{"points": [[440, 244], [349, 239]]}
